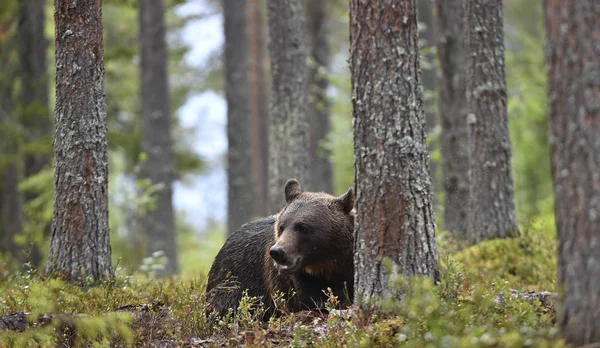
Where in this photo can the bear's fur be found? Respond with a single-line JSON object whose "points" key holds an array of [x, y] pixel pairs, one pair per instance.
{"points": [[312, 241]]}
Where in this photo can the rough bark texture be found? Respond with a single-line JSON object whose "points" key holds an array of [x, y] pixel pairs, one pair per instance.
{"points": [[34, 96], [259, 107], [321, 175], [80, 245], [394, 212], [157, 226], [573, 59], [491, 202], [453, 115], [288, 116], [240, 191]]}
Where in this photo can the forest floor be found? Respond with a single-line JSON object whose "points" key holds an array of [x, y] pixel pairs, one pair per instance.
{"points": [[475, 305]]}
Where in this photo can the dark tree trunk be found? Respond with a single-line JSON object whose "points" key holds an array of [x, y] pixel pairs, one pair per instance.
{"points": [[157, 226], [240, 192], [80, 244], [259, 107], [288, 114], [319, 156], [34, 96], [453, 115], [491, 203], [394, 212], [427, 35], [36, 117], [573, 59]]}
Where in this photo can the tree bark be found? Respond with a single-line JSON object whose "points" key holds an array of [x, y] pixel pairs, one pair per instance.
{"points": [[491, 202], [240, 191], [36, 117], [80, 242], [573, 60], [394, 211], [288, 116], [159, 167], [258, 104], [319, 156], [453, 114]]}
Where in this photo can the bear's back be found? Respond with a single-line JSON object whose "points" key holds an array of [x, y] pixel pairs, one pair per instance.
{"points": [[239, 265]]}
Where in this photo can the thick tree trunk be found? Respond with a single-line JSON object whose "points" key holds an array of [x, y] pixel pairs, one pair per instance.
{"points": [[34, 96], [80, 244], [288, 116], [573, 59], [394, 212], [240, 191], [157, 226], [491, 202], [36, 117], [259, 107], [319, 156], [453, 114]]}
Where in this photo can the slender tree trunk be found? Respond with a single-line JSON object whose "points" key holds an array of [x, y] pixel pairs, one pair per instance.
{"points": [[34, 94], [158, 226], [11, 205], [288, 116], [319, 156], [427, 35], [491, 202], [80, 244], [259, 107], [394, 211], [240, 192], [453, 114], [573, 59]]}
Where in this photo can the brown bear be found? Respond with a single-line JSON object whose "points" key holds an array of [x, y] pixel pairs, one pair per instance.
{"points": [[303, 250]]}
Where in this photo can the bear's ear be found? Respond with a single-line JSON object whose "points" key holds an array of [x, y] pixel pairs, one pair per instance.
{"points": [[292, 190], [346, 201]]}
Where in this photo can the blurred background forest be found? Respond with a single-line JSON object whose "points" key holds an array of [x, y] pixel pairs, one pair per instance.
{"points": [[199, 117]]}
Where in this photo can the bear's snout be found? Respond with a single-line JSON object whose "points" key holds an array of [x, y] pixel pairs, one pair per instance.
{"points": [[278, 254]]}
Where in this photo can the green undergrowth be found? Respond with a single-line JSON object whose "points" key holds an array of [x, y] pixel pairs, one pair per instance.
{"points": [[472, 306]]}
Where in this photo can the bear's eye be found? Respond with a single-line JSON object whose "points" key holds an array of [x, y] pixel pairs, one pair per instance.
{"points": [[302, 228], [281, 228]]}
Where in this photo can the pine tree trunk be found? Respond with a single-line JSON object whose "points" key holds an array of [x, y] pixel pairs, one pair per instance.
{"points": [[394, 212], [240, 193], [36, 117], [288, 114], [453, 114], [319, 156], [491, 202], [158, 226], [80, 244], [259, 107], [573, 59]]}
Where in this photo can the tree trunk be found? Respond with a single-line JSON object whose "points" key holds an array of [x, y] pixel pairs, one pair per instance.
{"points": [[80, 244], [240, 192], [258, 104], [427, 35], [11, 207], [34, 95], [453, 114], [319, 156], [573, 59], [394, 211], [288, 116], [159, 167], [491, 203]]}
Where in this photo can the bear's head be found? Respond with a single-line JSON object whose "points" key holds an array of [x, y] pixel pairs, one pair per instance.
{"points": [[314, 233]]}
